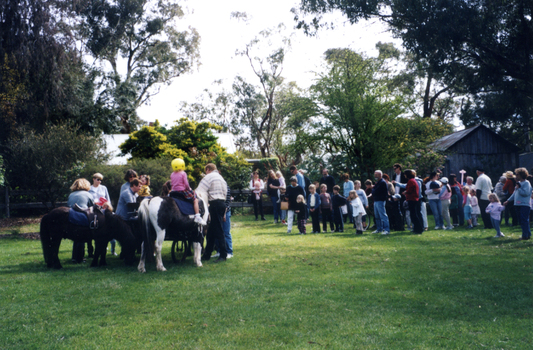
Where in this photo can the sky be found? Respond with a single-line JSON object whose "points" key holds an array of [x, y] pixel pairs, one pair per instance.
{"points": [[222, 35]]}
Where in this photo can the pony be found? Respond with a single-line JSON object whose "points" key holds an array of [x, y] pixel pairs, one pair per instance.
{"points": [[160, 215], [55, 226]]}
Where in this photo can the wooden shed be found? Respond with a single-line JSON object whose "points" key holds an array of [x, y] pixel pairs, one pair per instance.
{"points": [[476, 147]]}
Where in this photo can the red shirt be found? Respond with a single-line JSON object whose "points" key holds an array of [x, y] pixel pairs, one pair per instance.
{"points": [[412, 192]]}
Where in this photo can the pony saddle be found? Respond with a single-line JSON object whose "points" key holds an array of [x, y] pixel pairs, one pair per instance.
{"points": [[91, 217]]}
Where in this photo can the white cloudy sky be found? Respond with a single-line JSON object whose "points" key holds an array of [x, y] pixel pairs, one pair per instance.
{"points": [[221, 36]]}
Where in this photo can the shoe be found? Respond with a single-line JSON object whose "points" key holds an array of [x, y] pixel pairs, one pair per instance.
{"points": [[220, 260], [215, 255], [256, 219], [524, 239], [263, 219], [229, 256], [498, 236], [449, 228], [205, 258], [438, 228], [385, 233], [284, 222], [341, 230], [469, 227], [288, 232], [114, 253], [376, 231]]}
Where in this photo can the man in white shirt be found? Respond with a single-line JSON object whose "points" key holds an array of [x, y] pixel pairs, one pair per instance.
{"points": [[483, 189]]}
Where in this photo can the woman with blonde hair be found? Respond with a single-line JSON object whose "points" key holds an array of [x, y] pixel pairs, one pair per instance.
{"points": [[80, 195]]}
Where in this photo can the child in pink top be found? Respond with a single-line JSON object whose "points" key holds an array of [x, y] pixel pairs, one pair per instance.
{"points": [[181, 188], [495, 210]]}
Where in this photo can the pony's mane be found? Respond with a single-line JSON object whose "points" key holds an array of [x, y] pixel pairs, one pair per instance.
{"points": [[165, 190]]}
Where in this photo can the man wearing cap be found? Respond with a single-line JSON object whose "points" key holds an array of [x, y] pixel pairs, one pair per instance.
{"points": [[216, 188], [483, 188]]}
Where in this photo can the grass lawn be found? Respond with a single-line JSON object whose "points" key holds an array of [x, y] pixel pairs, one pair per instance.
{"points": [[456, 289]]}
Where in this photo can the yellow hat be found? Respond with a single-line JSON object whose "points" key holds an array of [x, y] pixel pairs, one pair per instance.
{"points": [[178, 164]]}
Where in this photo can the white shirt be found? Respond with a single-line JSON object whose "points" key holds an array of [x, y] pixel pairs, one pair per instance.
{"points": [[484, 184]]}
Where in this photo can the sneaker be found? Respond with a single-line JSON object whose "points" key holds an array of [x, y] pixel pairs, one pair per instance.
{"points": [[114, 253], [215, 255], [438, 228], [229, 256], [288, 232], [385, 233], [284, 222], [449, 228], [376, 231]]}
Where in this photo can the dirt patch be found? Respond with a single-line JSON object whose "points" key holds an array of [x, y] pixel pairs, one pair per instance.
{"points": [[11, 222], [30, 235]]}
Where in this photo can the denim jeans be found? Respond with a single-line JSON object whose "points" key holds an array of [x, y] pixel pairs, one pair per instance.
{"points": [[436, 209], [275, 208], [380, 215], [227, 234], [524, 221], [496, 225]]}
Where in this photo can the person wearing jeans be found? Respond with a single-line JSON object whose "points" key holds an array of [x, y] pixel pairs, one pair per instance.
{"points": [[273, 187], [520, 197], [379, 193]]}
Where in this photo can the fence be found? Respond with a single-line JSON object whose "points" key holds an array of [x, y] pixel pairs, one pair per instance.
{"points": [[240, 201]]}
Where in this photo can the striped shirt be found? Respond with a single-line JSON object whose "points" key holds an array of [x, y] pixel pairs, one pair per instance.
{"points": [[214, 185]]}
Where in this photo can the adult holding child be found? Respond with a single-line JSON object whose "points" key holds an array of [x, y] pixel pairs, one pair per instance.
{"points": [[520, 198], [256, 186]]}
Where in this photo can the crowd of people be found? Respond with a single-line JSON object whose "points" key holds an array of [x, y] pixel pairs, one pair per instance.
{"points": [[396, 202]]}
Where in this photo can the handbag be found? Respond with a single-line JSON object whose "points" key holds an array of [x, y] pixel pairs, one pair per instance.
{"points": [[344, 209], [284, 205]]}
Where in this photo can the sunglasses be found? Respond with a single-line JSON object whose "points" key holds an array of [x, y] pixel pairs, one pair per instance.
{"points": [[97, 179]]}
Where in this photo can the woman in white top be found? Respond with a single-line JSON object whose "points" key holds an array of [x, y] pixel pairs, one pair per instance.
{"points": [[97, 189]]}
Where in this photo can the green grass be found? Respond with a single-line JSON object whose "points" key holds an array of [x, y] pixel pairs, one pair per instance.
{"points": [[444, 289]]}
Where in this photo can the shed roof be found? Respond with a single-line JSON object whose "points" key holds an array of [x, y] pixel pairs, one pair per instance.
{"points": [[444, 143]]}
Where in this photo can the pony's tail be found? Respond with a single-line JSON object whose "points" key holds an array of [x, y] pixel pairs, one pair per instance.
{"points": [[144, 218]]}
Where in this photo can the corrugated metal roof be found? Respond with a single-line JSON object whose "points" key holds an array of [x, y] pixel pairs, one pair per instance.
{"points": [[448, 141]]}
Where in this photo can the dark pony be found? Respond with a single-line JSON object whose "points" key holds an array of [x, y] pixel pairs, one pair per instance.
{"points": [[161, 218], [55, 226]]}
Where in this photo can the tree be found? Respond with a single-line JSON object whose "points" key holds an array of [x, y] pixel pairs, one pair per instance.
{"points": [[42, 77], [50, 161], [268, 70], [356, 115], [192, 141], [140, 42], [486, 47]]}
